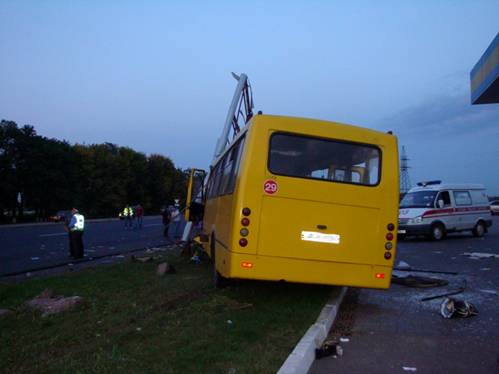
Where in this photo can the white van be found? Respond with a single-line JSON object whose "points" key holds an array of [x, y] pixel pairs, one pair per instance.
{"points": [[434, 209]]}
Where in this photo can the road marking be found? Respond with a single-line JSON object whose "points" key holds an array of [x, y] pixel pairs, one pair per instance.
{"points": [[56, 234], [154, 224]]}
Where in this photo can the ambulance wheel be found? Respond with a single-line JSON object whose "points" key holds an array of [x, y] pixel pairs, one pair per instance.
{"points": [[479, 229], [437, 231], [218, 280]]}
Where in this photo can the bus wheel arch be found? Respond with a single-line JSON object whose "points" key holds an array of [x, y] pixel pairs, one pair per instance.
{"points": [[479, 229], [219, 281], [437, 231]]}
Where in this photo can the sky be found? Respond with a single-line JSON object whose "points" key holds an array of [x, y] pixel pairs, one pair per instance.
{"points": [[155, 75]]}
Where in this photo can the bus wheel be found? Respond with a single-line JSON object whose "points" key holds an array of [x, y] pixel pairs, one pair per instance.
{"points": [[437, 231], [479, 229], [218, 280]]}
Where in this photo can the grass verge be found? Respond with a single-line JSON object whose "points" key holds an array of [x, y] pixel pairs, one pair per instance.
{"points": [[135, 321]]}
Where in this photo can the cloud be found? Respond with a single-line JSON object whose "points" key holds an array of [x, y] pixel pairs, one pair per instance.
{"points": [[449, 139], [444, 115]]}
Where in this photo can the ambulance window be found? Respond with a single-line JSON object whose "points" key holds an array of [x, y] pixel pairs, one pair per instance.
{"points": [[445, 197], [462, 197]]}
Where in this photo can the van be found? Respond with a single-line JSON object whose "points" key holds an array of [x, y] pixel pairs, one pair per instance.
{"points": [[434, 209]]}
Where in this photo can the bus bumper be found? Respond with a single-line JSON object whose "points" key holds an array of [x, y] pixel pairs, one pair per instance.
{"points": [[245, 266]]}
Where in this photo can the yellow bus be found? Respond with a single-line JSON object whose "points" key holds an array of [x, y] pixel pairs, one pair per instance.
{"points": [[303, 200]]}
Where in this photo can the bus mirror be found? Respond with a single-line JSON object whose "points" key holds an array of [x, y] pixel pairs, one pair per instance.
{"points": [[440, 203]]}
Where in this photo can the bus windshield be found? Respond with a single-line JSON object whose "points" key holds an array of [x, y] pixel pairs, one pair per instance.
{"points": [[420, 199]]}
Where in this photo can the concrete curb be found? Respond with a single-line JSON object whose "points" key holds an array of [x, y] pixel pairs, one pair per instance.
{"points": [[303, 356]]}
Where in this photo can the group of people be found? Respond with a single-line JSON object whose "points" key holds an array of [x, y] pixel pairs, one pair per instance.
{"points": [[133, 216], [173, 221]]}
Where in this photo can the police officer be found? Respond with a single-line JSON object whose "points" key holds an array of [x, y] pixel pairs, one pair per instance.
{"points": [[76, 227], [128, 214]]}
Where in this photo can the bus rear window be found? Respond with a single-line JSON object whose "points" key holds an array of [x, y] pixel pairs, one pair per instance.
{"points": [[315, 158]]}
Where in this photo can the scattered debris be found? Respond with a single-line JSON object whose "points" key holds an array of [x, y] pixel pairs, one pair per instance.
{"points": [[419, 282], [402, 265], [49, 304], [139, 329], [142, 258], [165, 268], [450, 293], [35, 258], [119, 256], [451, 308], [5, 312], [409, 368], [491, 292], [229, 322], [479, 255], [328, 349], [485, 269], [196, 259], [28, 274], [344, 340]]}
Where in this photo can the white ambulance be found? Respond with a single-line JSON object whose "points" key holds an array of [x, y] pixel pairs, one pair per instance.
{"points": [[435, 209]]}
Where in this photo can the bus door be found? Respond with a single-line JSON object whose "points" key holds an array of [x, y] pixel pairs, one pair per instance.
{"points": [[327, 203]]}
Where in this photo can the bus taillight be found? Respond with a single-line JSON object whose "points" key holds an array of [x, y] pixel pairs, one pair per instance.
{"points": [[245, 221], [389, 236], [390, 227], [246, 211], [243, 242], [388, 246], [247, 264], [244, 232], [380, 276], [388, 255]]}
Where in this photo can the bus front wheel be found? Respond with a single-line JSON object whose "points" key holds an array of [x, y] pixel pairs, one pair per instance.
{"points": [[218, 280]]}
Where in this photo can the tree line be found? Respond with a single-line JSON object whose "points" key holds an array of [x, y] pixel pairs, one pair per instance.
{"points": [[39, 176]]}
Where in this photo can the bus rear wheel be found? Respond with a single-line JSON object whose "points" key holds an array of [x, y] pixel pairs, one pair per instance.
{"points": [[219, 281]]}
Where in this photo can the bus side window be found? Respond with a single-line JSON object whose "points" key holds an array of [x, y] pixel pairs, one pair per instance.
{"points": [[217, 176], [238, 151]]}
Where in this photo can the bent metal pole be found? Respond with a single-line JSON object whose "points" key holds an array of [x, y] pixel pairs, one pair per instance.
{"points": [[222, 141]]}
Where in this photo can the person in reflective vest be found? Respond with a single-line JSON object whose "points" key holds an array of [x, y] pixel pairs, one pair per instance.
{"points": [[128, 214], [76, 227]]}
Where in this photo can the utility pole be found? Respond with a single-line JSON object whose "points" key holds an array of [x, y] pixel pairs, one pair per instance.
{"points": [[405, 180]]}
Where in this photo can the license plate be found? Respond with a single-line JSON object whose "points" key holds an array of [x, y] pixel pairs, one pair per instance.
{"points": [[401, 231], [311, 236]]}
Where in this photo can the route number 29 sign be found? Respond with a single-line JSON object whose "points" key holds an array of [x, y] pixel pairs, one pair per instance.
{"points": [[270, 187]]}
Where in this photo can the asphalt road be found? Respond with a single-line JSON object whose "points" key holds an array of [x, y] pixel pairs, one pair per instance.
{"points": [[395, 332], [27, 247]]}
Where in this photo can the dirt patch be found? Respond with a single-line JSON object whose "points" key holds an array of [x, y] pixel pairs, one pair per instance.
{"points": [[346, 317]]}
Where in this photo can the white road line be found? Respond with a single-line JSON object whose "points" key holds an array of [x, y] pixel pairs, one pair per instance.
{"points": [[56, 234]]}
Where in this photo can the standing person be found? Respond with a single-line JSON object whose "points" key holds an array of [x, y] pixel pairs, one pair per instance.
{"points": [[165, 214], [139, 213], [76, 227], [128, 214]]}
